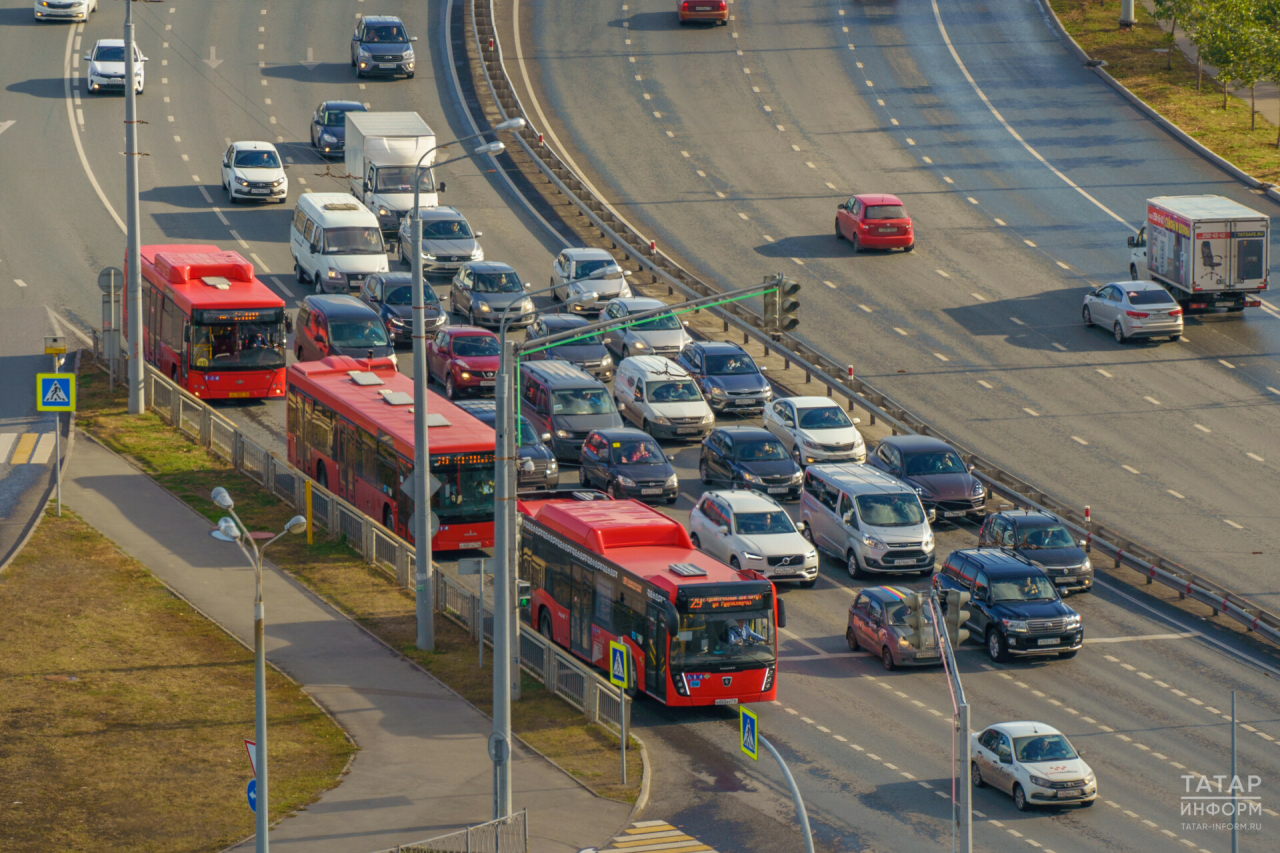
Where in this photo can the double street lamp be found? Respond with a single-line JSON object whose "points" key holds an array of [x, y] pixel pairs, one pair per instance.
{"points": [[231, 529]]}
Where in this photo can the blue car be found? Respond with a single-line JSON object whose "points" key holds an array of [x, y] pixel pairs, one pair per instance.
{"points": [[728, 378], [329, 126]]}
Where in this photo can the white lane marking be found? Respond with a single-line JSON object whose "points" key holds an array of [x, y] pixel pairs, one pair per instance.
{"points": [[902, 332], [1152, 400], [979, 297], [1104, 373], [830, 284], [1255, 457], [940, 357], [798, 261], [1131, 469], [1226, 363], [1202, 427], [1177, 495], [999, 222], [1269, 388], [743, 215], [1059, 346], [1029, 243], [221, 218], [910, 141], [1233, 524], [1181, 635], [1033, 152], [280, 284], [864, 307], [1016, 320], [261, 264], [972, 200], [684, 153], [80, 117], [19, 282], [239, 239], [75, 134], [948, 180], [6, 444], [44, 449], [1079, 440], [1031, 412], [943, 273], [204, 192], [1061, 264], [986, 385]]}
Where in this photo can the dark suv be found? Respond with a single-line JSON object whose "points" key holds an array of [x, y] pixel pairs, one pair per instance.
{"points": [[381, 45], [1014, 608], [391, 295], [628, 463], [934, 470], [337, 324], [749, 458], [542, 470], [728, 377], [1042, 540]]}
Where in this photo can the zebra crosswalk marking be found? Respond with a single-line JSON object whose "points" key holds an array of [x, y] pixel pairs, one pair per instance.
{"points": [[22, 453]]}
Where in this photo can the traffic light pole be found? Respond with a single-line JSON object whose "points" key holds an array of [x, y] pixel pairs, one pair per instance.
{"points": [[962, 824], [133, 260]]}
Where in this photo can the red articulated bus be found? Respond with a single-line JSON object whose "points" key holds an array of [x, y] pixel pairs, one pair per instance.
{"points": [[349, 425], [602, 570], [209, 324]]}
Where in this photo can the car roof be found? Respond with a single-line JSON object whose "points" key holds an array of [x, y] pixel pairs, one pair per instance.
{"points": [[618, 433], [811, 402], [1022, 728], [997, 562], [745, 500], [564, 321], [637, 304], [660, 364], [338, 305], [916, 442], [250, 145], [887, 593], [744, 432], [859, 478], [489, 266], [554, 368], [444, 211], [1028, 515], [109, 43], [718, 346], [338, 209], [354, 106], [1140, 285], [878, 198], [586, 253], [395, 277], [381, 19], [463, 329]]}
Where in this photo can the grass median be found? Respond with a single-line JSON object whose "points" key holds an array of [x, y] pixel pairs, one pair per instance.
{"points": [[125, 711], [1132, 59], [365, 593]]}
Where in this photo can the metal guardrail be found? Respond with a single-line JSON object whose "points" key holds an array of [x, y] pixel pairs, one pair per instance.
{"points": [[575, 682], [631, 245], [505, 835]]}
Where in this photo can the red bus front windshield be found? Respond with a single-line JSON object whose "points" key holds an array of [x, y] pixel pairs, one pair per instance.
{"points": [[724, 640], [238, 346]]}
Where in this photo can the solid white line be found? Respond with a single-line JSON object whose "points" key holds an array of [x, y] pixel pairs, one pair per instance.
{"points": [[1179, 636], [54, 317], [75, 133], [1033, 152]]}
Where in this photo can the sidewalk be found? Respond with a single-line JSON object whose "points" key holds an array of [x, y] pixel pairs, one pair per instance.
{"points": [[423, 767]]}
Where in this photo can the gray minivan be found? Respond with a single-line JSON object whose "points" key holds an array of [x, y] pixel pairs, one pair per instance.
{"points": [[560, 399]]}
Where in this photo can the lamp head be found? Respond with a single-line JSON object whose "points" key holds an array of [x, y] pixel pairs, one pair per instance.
{"points": [[585, 299], [297, 524], [491, 148], [222, 498], [516, 123], [226, 531]]}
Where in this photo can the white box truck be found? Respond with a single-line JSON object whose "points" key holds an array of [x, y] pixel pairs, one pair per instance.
{"points": [[382, 151], [1208, 251]]}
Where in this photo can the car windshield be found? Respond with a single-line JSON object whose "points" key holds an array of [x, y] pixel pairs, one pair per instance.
{"points": [[1047, 536], [582, 401], [636, 451], [353, 241], [497, 282], [402, 294], [898, 611], [237, 346], [679, 391], [886, 211], [110, 53], [585, 340], [1029, 588], [660, 323], [937, 462], [736, 364], [257, 160], [824, 417], [337, 117], [357, 335], [475, 345], [447, 229], [385, 34], [1036, 748], [1150, 297], [585, 268], [719, 638], [900, 510], [760, 451], [399, 179], [773, 521]]}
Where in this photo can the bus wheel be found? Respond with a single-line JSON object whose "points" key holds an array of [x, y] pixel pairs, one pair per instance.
{"points": [[322, 475], [544, 626], [388, 520]]}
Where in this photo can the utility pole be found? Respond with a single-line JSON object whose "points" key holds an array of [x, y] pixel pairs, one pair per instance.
{"points": [[1126, 14], [962, 821], [423, 582], [133, 261], [1235, 788], [503, 533]]}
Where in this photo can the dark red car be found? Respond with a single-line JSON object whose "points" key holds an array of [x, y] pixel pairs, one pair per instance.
{"points": [[463, 359], [875, 221], [703, 10]]}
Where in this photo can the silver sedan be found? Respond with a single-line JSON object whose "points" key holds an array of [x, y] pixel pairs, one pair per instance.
{"points": [[1133, 309]]}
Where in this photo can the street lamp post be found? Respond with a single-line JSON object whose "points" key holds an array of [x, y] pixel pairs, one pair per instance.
{"points": [[425, 594], [133, 260], [232, 529]]}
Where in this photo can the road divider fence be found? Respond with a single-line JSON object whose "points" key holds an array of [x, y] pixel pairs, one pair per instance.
{"points": [[628, 244], [505, 835]]}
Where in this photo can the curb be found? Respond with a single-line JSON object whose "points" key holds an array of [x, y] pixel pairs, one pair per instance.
{"points": [[1169, 127]]}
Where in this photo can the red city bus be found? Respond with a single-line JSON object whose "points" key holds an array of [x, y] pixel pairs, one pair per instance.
{"points": [[209, 324], [349, 425], [602, 570]]}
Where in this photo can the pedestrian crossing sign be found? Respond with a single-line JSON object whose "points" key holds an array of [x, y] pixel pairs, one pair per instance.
{"points": [[749, 732], [56, 392], [618, 664]]}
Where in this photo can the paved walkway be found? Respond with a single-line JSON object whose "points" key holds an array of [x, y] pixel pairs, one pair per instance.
{"points": [[422, 769]]}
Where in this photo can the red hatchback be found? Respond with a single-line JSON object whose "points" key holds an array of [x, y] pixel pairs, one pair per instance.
{"points": [[703, 10], [463, 358], [875, 221]]}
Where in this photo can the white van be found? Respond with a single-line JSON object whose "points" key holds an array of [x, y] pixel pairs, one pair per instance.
{"points": [[335, 242], [661, 398]]}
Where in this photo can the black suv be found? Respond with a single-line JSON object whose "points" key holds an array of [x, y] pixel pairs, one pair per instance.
{"points": [[749, 458], [587, 352], [1042, 540], [1014, 608], [381, 45], [391, 295], [542, 472], [628, 463], [728, 377]]}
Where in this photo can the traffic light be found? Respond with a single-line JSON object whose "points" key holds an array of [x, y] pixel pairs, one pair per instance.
{"points": [[957, 614], [915, 619], [523, 594], [788, 305], [770, 316]]}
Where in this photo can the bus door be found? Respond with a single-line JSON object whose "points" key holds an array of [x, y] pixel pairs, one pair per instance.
{"points": [[155, 315], [348, 460], [655, 653], [580, 608], [303, 443]]}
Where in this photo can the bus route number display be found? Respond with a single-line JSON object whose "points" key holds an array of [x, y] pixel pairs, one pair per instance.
{"points": [[447, 460], [209, 316], [728, 602]]}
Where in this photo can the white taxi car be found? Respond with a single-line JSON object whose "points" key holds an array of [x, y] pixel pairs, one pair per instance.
{"points": [[1033, 762], [749, 530]]}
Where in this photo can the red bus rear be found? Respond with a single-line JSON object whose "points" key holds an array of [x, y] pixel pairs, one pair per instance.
{"points": [[209, 324], [349, 426], [699, 632]]}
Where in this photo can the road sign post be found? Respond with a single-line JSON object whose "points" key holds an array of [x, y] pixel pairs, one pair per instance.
{"points": [[111, 283], [56, 392], [620, 677], [750, 740], [749, 732]]}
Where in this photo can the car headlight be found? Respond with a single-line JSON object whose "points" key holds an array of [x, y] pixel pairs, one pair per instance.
{"points": [[242, 182], [334, 275], [477, 254], [797, 476], [563, 433], [904, 643], [708, 418], [751, 556], [1041, 781], [767, 393], [465, 375], [408, 55], [427, 256], [920, 491], [811, 554], [277, 182], [810, 444], [718, 392], [873, 543], [526, 307], [673, 481], [552, 466], [1090, 779], [362, 52], [928, 542], [606, 360], [627, 481], [396, 321], [751, 478], [978, 489], [328, 137], [1014, 624], [1087, 565], [484, 308], [636, 344], [382, 211], [1073, 621]]}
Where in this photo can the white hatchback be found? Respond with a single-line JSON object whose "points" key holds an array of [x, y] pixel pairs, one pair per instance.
{"points": [[815, 429], [1034, 763], [749, 530]]}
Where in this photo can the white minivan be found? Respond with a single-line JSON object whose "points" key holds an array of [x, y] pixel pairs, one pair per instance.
{"points": [[335, 242], [661, 398]]}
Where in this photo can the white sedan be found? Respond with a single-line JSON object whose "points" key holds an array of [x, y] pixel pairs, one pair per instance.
{"points": [[252, 170], [106, 69], [749, 530], [65, 10], [1034, 763], [815, 429]]}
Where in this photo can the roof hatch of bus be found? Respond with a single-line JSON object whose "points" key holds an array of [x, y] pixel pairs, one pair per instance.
{"points": [[605, 525], [180, 268]]}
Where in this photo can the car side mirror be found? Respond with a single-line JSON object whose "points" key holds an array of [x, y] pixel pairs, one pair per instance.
{"points": [[1084, 543], [479, 233], [86, 58], [684, 323], [413, 38], [762, 367], [895, 470], [440, 188], [320, 340], [545, 437], [723, 529], [1133, 243], [800, 526], [626, 273], [528, 285], [143, 59], [857, 421], [847, 518], [639, 395], [782, 613], [186, 334]]}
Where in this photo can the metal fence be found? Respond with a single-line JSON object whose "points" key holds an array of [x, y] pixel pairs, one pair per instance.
{"points": [[567, 677], [505, 835], [628, 244]]}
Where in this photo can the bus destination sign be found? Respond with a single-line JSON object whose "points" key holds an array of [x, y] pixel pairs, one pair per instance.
{"points": [[750, 601]]}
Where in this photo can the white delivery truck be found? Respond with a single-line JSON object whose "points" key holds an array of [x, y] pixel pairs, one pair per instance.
{"points": [[382, 151], [1208, 251]]}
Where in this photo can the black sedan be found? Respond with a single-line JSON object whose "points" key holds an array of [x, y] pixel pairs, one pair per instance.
{"points": [[538, 468], [729, 378], [391, 295], [749, 458], [628, 463], [329, 126], [587, 352]]}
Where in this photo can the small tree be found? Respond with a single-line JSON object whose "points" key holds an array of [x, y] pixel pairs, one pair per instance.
{"points": [[1175, 12], [1267, 17], [1226, 38]]}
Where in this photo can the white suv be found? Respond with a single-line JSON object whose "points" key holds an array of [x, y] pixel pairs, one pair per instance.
{"points": [[749, 530], [815, 429]]}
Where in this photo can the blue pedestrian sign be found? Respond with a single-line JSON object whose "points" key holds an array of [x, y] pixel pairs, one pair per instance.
{"points": [[618, 669], [56, 392], [253, 795], [749, 732]]}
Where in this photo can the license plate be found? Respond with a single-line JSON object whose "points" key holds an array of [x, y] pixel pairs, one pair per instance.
{"points": [[465, 545], [952, 513], [777, 490], [726, 701], [1062, 580], [239, 394], [702, 8], [651, 491], [888, 230], [932, 654], [904, 562], [386, 65], [686, 430], [259, 192], [1049, 641], [486, 383], [1071, 794], [746, 402]]}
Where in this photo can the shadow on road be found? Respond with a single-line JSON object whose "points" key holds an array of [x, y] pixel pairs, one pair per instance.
{"points": [[323, 72], [40, 87]]}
